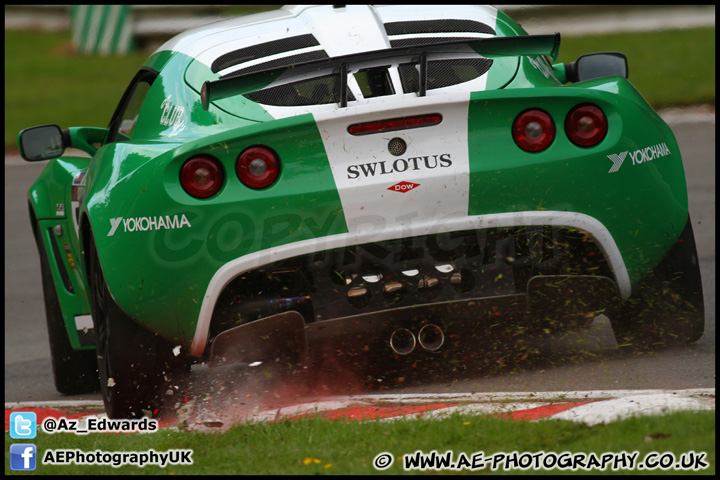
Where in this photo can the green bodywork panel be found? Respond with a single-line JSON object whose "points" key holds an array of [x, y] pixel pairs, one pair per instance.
{"points": [[54, 188], [302, 204], [651, 210]]}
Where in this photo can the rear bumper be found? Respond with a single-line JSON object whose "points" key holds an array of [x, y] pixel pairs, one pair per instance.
{"points": [[383, 339], [596, 232]]}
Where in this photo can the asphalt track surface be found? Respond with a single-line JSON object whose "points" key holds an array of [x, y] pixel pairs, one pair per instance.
{"points": [[585, 361]]}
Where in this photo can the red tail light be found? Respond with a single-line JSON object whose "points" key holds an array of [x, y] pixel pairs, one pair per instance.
{"points": [[533, 130], [257, 167], [586, 125], [393, 124], [202, 176]]}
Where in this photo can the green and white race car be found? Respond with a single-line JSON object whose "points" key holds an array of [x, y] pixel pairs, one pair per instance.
{"points": [[386, 182]]}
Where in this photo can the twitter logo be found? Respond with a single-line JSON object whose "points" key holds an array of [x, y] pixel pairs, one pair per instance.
{"points": [[23, 425]]}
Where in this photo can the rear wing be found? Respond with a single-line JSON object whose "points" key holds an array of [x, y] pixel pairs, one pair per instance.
{"points": [[503, 46]]}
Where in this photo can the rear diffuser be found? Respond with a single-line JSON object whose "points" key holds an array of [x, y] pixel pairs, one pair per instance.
{"points": [[279, 338]]}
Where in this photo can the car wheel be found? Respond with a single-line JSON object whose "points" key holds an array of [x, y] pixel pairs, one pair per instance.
{"points": [[134, 364], [667, 307], [74, 371]]}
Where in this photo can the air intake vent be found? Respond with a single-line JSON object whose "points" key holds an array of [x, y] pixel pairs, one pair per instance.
{"points": [[263, 50], [409, 42], [437, 26], [281, 62]]}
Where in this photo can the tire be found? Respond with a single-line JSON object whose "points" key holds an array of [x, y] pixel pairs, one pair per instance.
{"points": [[667, 307], [74, 371], [134, 364]]}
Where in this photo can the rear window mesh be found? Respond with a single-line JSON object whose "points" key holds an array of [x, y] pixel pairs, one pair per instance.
{"points": [[326, 89], [313, 91], [443, 73], [261, 50], [437, 26], [408, 42], [281, 62]]}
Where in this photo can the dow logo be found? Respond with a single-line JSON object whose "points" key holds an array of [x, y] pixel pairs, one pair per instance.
{"points": [[403, 187]]}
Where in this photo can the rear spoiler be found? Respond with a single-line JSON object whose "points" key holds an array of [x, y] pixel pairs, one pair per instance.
{"points": [[505, 46]]}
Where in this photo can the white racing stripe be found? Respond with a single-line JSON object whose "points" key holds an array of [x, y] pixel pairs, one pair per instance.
{"points": [[358, 28], [436, 162]]}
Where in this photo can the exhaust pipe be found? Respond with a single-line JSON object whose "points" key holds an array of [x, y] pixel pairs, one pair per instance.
{"points": [[431, 337], [402, 341]]}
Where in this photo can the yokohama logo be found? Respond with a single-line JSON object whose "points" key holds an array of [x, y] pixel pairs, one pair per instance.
{"points": [[403, 187], [642, 155], [143, 224], [617, 161]]}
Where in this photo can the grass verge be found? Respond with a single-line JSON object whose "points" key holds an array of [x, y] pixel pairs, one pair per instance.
{"points": [[46, 82], [670, 67], [318, 446]]}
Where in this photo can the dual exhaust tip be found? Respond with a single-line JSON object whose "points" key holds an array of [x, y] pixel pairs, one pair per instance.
{"points": [[430, 337]]}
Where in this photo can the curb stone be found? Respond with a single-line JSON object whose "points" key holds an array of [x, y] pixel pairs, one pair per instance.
{"points": [[590, 407]]}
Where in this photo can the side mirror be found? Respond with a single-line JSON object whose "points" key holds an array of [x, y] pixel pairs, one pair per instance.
{"points": [[596, 65], [43, 142]]}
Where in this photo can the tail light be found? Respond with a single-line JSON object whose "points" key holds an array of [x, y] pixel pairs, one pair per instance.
{"points": [[257, 167], [586, 125], [202, 176], [533, 130]]}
